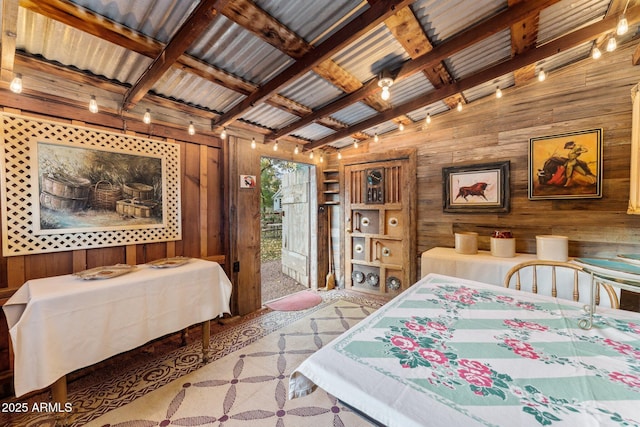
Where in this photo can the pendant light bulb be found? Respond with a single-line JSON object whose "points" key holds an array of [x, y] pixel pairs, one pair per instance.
{"points": [[147, 117], [385, 93], [611, 44], [596, 53], [297, 150], [253, 143], [542, 75], [93, 104], [16, 83], [192, 129], [339, 155], [401, 126], [311, 155], [275, 146], [376, 138], [498, 92], [355, 143], [428, 119], [623, 25], [321, 158], [223, 134], [459, 107]]}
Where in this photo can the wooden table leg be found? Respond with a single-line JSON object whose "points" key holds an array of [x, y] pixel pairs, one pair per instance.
{"points": [[59, 395], [206, 334]]}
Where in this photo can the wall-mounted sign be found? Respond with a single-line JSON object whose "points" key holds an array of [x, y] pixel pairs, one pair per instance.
{"points": [[247, 181]]}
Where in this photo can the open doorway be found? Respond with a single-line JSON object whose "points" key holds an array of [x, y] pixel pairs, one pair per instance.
{"points": [[287, 216]]}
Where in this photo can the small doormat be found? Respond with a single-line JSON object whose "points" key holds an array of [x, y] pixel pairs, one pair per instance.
{"points": [[294, 302]]}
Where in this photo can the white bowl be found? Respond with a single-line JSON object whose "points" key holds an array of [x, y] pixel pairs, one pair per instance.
{"points": [[467, 242], [552, 248]]}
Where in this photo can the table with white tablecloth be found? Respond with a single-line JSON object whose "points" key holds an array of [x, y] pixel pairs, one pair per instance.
{"points": [[453, 352], [487, 268], [63, 323]]}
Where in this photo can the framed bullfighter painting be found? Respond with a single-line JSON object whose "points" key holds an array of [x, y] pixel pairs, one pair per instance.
{"points": [[566, 166], [476, 188]]}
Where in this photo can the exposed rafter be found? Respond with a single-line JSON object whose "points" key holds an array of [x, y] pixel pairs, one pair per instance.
{"points": [[372, 17], [558, 45], [428, 60], [190, 31]]}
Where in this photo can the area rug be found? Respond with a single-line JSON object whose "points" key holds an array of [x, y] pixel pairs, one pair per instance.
{"points": [[249, 387], [294, 302], [108, 387]]}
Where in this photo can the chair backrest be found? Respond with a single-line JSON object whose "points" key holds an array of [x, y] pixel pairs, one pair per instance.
{"points": [[531, 269]]}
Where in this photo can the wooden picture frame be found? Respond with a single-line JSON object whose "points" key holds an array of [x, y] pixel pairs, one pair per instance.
{"points": [[566, 166], [480, 188], [154, 215]]}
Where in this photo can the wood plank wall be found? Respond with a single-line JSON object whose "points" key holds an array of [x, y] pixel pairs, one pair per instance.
{"points": [[203, 227], [590, 94]]}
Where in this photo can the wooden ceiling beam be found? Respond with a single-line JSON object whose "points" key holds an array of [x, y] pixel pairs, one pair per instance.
{"points": [[99, 26], [370, 18], [9, 28], [429, 59], [24, 61], [561, 44], [197, 22], [524, 35], [260, 23]]}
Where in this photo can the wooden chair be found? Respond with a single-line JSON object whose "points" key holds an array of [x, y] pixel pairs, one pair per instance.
{"points": [[555, 266]]}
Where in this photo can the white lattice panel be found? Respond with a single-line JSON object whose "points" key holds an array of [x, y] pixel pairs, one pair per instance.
{"points": [[18, 238]]}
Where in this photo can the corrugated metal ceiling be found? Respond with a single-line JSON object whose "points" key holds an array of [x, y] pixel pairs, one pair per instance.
{"points": [[249, 60]]}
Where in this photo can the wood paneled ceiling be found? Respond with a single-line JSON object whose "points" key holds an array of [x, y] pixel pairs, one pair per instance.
{"points": [[257, 65]]}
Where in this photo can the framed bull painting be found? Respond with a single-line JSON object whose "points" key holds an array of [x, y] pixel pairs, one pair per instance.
{"points": [[566, 166], [476, 188]]}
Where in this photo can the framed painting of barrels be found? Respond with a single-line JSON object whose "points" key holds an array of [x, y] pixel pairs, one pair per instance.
{"points": [[67, 187], [88, 189]]}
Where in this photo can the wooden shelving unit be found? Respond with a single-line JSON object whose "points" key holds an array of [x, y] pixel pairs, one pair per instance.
{"points": [[331, 187]]}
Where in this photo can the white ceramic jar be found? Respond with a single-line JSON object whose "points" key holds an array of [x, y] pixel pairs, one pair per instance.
{"points": [[503, 247], [552, 248], [466, 242]]}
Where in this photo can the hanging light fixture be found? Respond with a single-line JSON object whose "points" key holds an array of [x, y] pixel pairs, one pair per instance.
{"points": [[385, 81], [93, 105], [459, 107], [253, 143], [376, 138], [16, 83], [611, 43], [596, 53], [297, 150], [311, 154], [339, 155], [223, 135], [275, 146], [428, 118], [147, 117], [321, 157], [623, 24], [542, 75], [498, 92], [192, 129], [355, 143], [400, 126]]}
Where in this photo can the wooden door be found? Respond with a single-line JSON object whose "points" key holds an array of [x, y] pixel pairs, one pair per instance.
{"points": [[380, 226], [296, 216]]}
